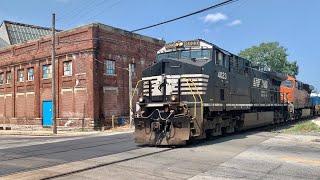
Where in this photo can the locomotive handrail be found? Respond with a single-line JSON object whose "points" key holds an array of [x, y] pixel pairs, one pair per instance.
{"points": [[195, 100], [201, 101], [134, 91]]}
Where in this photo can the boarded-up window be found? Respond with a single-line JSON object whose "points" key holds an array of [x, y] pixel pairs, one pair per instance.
{"points": [[2, 102], [80, 102], [20, 104], [110, 101], [80, 65], [67, 103], [30, 98], [8, 104]]}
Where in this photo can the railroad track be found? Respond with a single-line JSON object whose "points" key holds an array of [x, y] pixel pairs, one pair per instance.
{"points": [[69, 148], [23, 156], [106, 164], [121, 140]]}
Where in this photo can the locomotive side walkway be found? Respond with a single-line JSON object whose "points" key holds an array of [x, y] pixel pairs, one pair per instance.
{"points": [[250, 155]]}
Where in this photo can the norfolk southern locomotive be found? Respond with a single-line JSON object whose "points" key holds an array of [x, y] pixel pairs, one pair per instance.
{"points": [[196, 89]]}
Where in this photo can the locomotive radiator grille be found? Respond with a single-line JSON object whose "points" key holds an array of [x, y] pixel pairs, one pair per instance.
{"points": [[189, 84]]}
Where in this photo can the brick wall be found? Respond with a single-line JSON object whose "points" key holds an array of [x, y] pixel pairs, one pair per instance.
{"points": [[123, 48], [88, 96]]}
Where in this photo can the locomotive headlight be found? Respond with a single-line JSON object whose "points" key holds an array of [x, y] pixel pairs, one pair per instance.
{"points": [[173, 98], [179, 44], [141, 99]]}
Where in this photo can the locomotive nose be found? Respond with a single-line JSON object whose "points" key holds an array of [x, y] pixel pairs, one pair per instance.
{"points": [[177, 132]]}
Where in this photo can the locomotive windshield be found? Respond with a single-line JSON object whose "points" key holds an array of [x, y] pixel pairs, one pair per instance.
{"points": [[287, 83], [195, 54]]}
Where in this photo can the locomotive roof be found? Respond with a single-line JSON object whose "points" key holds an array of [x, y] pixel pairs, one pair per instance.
{"points": [[196, 44]]}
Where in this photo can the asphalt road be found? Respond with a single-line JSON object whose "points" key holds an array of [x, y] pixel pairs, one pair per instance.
{"points": [[19, 154], [250, 155]]}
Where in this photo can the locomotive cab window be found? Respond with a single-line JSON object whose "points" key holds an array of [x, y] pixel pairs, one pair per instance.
{"points": [[222, 59], [226, 61], [300, 86], [194, 54], [219, 58], [287, 83]]}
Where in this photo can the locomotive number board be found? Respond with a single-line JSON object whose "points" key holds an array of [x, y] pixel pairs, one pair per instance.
{"points": [[179, 44]]}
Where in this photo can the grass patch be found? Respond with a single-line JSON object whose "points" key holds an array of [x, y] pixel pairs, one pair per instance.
{"points": [[303, 127]]}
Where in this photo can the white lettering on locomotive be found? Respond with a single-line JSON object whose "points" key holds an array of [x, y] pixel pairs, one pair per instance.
{"points": [[222, 75], [260, 83]]}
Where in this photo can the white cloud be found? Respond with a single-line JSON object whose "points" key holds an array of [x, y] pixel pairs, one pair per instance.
{"points": [[235, 22], [213, 18]]}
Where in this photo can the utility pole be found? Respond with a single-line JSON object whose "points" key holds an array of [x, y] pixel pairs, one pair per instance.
{"points": [[130, 93], [53, 78]]}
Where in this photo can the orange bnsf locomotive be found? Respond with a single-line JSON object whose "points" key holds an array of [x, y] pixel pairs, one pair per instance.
{"points": [[297, 95], [196, 89]]}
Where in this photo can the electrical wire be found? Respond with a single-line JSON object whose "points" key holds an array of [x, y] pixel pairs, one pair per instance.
{"points": [[103, 10], [187, 15], [81, 7], [83, 12]]}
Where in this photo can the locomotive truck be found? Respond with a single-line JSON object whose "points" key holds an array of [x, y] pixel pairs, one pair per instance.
{"points": [[196, 90]]}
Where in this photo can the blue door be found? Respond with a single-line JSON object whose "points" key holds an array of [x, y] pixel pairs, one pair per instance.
{"points": [[47, 113]]}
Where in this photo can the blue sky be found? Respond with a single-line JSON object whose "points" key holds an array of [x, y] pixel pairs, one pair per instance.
{"points": [[293, 23]]}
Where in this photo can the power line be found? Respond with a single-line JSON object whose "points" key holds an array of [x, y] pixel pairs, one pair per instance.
{"points": [[187, 15], [79, 14], [75, 10], [104, 9]]}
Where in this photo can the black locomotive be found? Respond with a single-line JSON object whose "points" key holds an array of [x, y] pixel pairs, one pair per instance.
{"points": [[196, 89]]}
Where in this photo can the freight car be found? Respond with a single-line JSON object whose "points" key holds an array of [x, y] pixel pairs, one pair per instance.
{"points": [[315, 103], [196, 89]]}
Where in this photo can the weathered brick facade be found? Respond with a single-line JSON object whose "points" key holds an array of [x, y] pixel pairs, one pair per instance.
{"points": [[89, 97]]}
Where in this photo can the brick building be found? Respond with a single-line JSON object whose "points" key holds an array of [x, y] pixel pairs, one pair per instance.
{"points": [[92, 83]]}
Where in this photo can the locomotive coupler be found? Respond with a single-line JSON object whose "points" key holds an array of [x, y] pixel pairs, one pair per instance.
{"points": [[162, 128]]}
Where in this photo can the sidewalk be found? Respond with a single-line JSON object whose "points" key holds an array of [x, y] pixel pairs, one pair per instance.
{"points": [[281, 157], [75, 132]]}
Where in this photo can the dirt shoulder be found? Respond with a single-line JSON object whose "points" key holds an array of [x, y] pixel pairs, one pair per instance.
{"points": [[306, 127]]}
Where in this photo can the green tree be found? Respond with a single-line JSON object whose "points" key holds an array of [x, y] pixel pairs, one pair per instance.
{"points": [[273, 55]]}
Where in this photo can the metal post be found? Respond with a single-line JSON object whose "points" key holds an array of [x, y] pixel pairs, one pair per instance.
{"points": [[112, 120], [53, 78], [130, 94]]}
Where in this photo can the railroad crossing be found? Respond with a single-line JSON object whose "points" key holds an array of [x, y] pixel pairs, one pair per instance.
{"points": [[254, 154]]}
